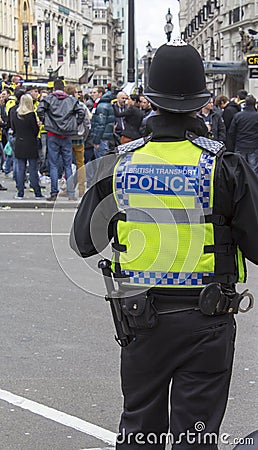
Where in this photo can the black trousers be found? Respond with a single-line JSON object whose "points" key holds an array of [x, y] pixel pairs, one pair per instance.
{"points": [[196, 353]]}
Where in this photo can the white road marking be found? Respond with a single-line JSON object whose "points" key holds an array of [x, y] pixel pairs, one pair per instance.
{"points": [[37, 210], [34, 234], [60, 417]]}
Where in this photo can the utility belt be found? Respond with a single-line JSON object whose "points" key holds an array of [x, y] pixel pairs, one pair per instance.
{"points": [[140, 309], [214, 299]]}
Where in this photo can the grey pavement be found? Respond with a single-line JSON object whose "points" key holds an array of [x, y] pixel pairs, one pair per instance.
{"points": [[7, 199]]}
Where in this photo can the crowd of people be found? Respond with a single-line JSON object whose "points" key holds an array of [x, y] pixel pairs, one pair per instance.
{"points": [[54, 135]]}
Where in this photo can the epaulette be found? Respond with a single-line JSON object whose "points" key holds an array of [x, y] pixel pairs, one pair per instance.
{"points": [[215, 147], [133, 145]]}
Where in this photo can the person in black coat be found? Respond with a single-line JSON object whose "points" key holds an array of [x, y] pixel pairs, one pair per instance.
{"points": [[229, 109], [214, 122], [133, 116], [25, 129], [243, 133]]}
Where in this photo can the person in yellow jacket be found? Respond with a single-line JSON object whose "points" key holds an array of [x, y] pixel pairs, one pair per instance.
{"points": [[4, 81], [10, 101], [181, 216], [16, 82]]}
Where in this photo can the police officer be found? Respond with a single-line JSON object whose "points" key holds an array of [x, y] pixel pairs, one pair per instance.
{"points": [[181, 215]]}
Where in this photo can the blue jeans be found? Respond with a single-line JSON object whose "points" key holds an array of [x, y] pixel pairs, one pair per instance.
{"points": [[91, 166], [102, 150], [2, 155], [8, 164], [251, 158], [43, 153], [63, 147], [33, 171]]}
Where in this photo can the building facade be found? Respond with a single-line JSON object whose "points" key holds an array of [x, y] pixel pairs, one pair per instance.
{"points": [[106, 36], [223, 31], [11, 15], [79, 40], [60, 39]]}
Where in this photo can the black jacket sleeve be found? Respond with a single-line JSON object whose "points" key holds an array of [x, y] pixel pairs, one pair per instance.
{"points": [[237, 194], [41, 110], [231, 135], [93, 223]]}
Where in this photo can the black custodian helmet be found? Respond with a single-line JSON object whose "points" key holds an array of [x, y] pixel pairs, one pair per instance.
{"points": [[176, 78]]}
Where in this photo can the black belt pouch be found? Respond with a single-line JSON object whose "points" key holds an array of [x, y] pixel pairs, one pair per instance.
{"points": [[140, 311]]}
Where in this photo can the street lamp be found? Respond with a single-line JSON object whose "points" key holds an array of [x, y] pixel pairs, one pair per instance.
{"points": [[149, 59], [169, 26], [26, 61], [131, 50], [50, 70], [149, 53]]}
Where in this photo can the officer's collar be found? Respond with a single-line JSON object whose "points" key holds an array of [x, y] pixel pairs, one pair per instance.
{"points": [[172, 127]]}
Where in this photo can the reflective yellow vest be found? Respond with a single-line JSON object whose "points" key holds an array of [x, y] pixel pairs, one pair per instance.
{"points": [[165, 234]]}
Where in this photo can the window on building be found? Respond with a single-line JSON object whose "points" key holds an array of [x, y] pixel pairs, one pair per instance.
{"points": [[123, 12], [218, 50], [236, 15], [103, 14], [212, 49], [202, 51], [104, 30], [104, 45], [104, 61]]}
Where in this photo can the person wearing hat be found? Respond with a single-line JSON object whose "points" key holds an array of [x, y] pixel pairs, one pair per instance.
{"points": [[181, 215]]}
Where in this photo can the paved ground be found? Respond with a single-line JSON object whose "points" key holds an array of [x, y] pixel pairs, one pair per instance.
{"points": [[7, 197]]}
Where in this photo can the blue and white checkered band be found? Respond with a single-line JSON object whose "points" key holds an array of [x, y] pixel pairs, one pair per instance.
{"points": [[122, 196], [206, 162], [130, 146], [208, 144], [166, 279]]}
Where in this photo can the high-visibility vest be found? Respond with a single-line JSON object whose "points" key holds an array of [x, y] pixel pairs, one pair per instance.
{"points": [[165, 230], [10, 103]]}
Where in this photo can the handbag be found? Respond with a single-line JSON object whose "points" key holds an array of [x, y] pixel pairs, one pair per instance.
{"points": [[8, 149]]}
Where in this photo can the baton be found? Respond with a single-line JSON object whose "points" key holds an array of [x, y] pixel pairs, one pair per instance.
{"points": [[122, 339]]}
